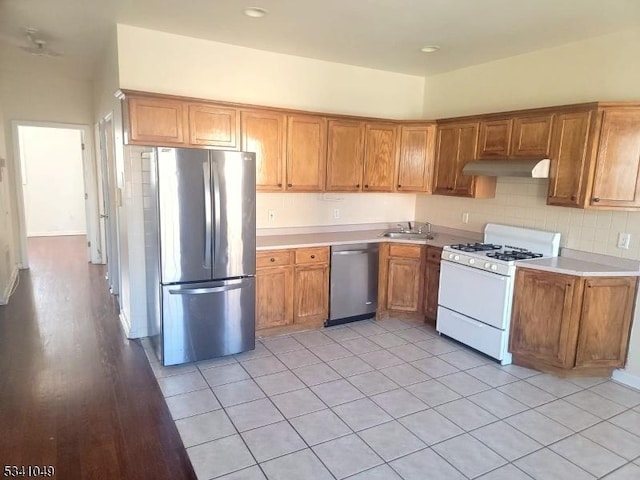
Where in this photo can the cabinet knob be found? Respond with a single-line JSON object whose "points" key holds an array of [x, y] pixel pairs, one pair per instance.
{"points": [[279, 184], [399, 186], [272, 259], [313, 256], [289, 185], [596, 199], [357, 185], [366, 186], [573, 197]]}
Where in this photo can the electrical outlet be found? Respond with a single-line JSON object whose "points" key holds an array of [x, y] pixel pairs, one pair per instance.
{"points": [[465, 217], [624, 239], [336, 213], [272, 215]]}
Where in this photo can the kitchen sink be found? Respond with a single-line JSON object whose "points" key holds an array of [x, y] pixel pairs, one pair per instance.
{"points": [[409, 235]]}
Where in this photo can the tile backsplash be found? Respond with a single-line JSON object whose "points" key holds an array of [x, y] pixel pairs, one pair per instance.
{"points": [[522, 202]]}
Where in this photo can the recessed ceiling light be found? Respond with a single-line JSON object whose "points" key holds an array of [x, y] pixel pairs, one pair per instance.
{"points": [[255, 12], [430, 48]]}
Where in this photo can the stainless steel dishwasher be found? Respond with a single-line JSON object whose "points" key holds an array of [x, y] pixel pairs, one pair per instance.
{"points": [[354, 283]]}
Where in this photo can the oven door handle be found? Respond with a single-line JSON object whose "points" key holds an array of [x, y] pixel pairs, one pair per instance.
{"points": [[491, 275]]}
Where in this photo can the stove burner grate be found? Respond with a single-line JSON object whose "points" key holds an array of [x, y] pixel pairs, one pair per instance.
{"points": [[475, 247], [510, 255]]}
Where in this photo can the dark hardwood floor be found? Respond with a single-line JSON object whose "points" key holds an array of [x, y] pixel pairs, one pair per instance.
{"points": [[74, 392]]}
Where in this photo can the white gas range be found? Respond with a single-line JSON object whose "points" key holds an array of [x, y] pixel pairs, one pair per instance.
{"points": [[476, 285]]}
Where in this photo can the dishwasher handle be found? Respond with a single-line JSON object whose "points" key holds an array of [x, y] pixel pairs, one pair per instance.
{"points": [[352, 252]]}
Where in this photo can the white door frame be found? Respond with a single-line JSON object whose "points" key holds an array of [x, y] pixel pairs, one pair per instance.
{"points": [[90, 188], [109, 205]]}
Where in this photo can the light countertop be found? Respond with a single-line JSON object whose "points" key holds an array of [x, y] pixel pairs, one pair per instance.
{"points": [[323, 239], [578, 267]]}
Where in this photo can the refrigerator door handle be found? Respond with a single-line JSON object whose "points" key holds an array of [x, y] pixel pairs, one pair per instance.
{"points": [[207, 214], [216, 210], [233, 285]]}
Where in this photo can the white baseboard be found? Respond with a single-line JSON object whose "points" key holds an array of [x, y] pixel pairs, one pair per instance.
{"points": [[4, 299], [56, 234], [625, 377], [126, 325]]}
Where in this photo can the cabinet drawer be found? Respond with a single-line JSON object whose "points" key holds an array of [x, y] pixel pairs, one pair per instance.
{"points": [[406, 251], [433, 254], [273, 258], [312, 255]]}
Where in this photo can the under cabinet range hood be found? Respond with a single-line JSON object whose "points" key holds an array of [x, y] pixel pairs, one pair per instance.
{"points": [[509, 167]]}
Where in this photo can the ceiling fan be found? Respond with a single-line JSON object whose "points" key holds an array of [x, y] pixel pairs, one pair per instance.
{"points": [[37, 46]]}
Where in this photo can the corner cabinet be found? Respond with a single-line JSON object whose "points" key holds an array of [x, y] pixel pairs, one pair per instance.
{"points": [[571, 325], [455, 146], [415, 164]]}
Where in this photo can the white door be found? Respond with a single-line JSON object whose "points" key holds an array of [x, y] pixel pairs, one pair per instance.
{"points": [[109, 207]]}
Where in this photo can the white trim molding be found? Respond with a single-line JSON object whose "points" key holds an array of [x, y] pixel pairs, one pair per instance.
{"points": [[126, 325], [4, 299], [622, 376]]}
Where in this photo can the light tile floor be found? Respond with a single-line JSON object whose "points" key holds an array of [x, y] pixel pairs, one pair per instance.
{"points": [[393, 400]]}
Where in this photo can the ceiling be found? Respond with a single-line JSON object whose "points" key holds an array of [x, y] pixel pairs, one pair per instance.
{"points": [[380, 34]]}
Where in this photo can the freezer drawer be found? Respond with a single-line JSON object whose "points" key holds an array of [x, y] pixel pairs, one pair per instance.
{"points": [[206, 320]]}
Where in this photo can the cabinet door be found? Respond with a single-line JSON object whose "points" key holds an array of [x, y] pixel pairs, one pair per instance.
{"points": [[311, 294], [617, 175], [345, 146], [213, 126], [274, 297], [306, 153], [531, 136], [494, 138], [446, 159], [545, 317], [432, 284], [465, 184], [380, 155], [607, 308], [403, 284], [263, 132], [156, 121], [568, 171], [415, 166]]}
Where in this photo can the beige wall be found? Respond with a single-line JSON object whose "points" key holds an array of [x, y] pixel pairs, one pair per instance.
{"points": [[603, 68]]}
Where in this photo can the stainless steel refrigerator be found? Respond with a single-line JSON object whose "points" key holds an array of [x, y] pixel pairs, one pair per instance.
{"points": [[200, 239]]}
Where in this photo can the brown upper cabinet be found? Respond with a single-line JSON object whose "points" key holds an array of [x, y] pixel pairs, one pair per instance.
{"points": [[306, 153], [531, 136], [415, 165], [595, 158], [214, 127], [155, 121], [617, 170], [361, 156], [455, 146], [263, 132], [495, 138], [380, 155], [345, 155]]}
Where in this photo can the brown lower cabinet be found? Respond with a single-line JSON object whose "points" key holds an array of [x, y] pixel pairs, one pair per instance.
{"points": [[408, 281], [571, 325], [292, 289]]}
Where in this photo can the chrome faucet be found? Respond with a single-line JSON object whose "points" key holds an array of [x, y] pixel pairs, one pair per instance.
{"points": [[425, 225]]}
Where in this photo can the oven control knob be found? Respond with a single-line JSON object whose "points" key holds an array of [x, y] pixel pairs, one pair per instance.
{"points": [[456, 258], [451, 255], [494, 267], [487, 265], [471, 261]]}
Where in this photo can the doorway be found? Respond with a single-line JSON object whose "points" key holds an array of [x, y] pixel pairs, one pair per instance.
{"points": [[56, 185]]}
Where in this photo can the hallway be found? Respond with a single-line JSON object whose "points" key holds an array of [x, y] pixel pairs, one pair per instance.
{"points": [[74, 392]]}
